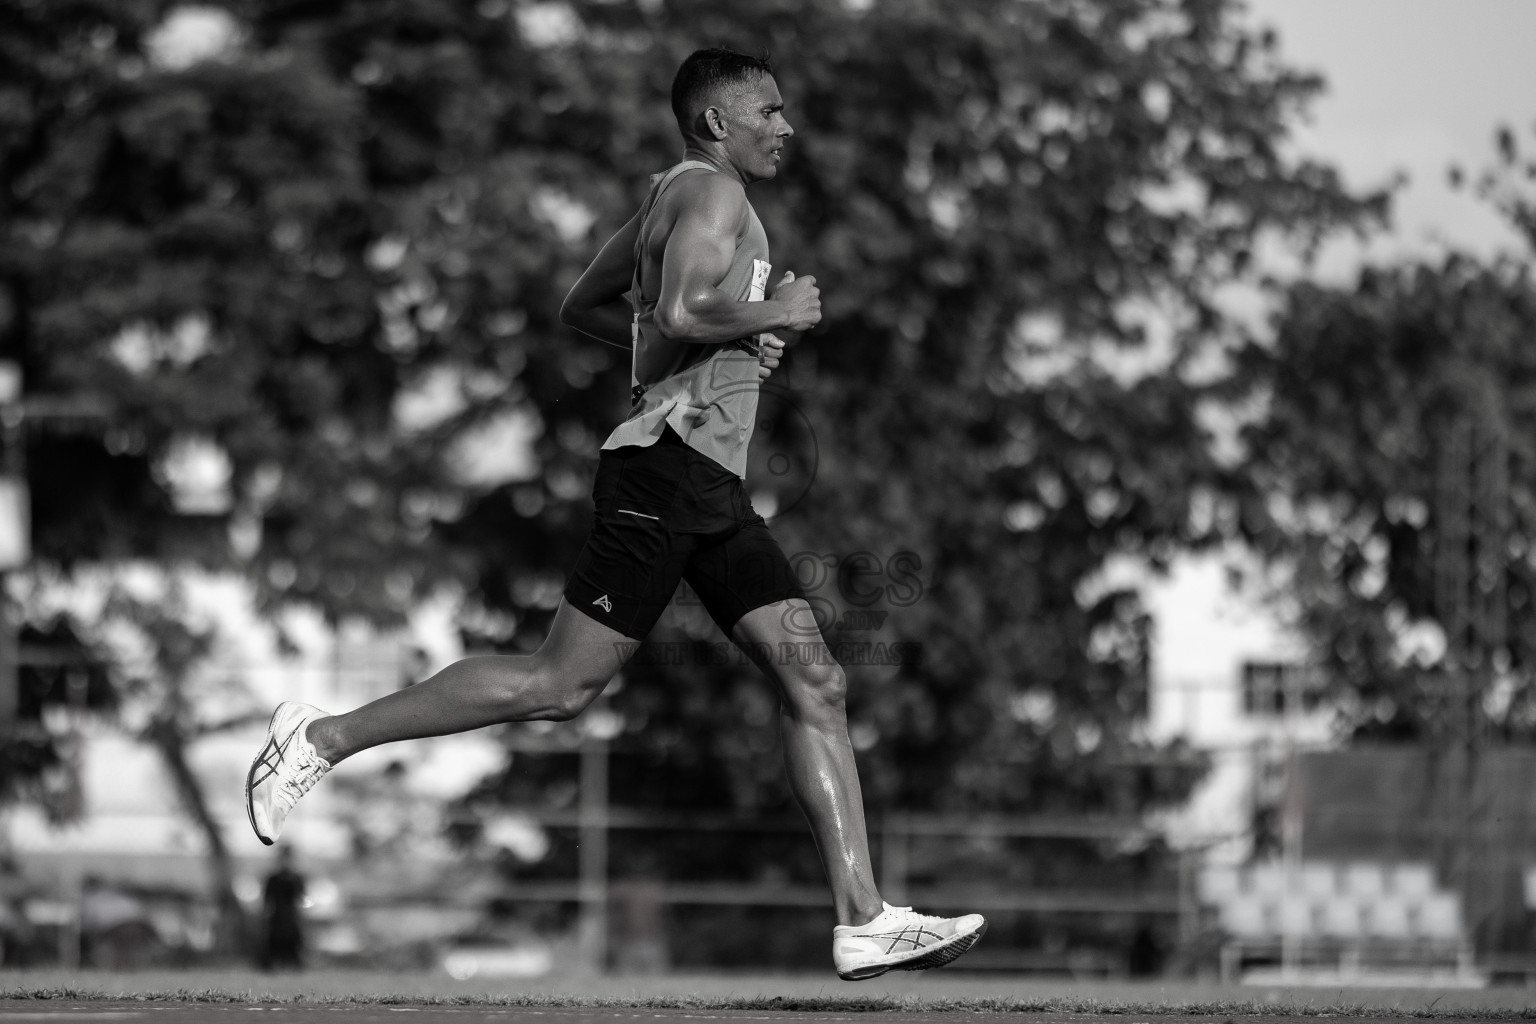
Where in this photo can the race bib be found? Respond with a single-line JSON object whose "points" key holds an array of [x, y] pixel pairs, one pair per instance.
{"points": [[760, 269]]}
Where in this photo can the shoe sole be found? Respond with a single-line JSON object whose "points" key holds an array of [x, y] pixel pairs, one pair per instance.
{"points": [[250, 808], [933, 956]]}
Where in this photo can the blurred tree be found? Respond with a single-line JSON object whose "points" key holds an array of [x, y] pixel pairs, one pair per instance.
{"points": [[173, 700], [62, 680], [316, 273], [1393, 481]]}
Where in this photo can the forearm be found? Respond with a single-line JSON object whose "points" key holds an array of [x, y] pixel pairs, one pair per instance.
{"points": [[713, 318], [597, 305], [609, 323]]}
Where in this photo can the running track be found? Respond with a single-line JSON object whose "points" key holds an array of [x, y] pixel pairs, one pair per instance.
{"points": [[59, 1011]]}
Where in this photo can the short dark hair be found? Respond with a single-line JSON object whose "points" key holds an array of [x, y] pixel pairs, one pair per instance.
{"points": [[704, 72]]}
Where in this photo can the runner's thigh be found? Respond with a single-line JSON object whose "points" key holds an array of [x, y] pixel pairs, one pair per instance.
{"points": [[743, 572]]}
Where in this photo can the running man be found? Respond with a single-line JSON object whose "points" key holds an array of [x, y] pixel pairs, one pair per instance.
{"points": [[685, 285]]}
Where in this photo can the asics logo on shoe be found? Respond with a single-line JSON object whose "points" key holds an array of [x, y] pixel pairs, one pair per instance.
{"points": [[603, 603], [914, 937], [271, 757]]}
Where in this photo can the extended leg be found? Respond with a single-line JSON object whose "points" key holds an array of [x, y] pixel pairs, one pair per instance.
{"points": [[563, 676], [817, 753], [566, 673]]}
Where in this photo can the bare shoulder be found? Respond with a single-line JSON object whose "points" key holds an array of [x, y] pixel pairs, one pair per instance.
{"points": [[715, 200]]}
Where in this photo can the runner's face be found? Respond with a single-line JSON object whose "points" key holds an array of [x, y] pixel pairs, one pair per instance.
{"points": [[757, 129]]}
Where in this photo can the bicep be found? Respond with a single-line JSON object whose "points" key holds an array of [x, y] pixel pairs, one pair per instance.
{"points": [[701, 247]]}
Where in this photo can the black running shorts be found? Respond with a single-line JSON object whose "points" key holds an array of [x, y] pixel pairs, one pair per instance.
{"points": [[664, 513]]}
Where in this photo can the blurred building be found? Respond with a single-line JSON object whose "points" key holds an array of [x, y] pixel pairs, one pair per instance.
{"points": [[1226, 680]]}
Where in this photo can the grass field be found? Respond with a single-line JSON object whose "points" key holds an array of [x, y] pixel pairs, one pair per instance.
{"points": [[928, 991]]}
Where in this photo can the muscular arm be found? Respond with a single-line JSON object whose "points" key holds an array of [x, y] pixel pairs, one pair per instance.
{"points": [[596, 305], [698, 255]]}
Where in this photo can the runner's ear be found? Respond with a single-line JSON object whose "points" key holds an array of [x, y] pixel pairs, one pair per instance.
{"points": [[714, 120]]}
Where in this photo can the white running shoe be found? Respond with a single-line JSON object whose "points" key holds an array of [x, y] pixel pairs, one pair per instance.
{"points": [[285, 770], [901, 940]]}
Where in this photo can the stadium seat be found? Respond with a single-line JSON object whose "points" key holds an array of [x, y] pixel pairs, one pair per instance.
{"points": [[1247, 918], [1389, 919], [1413, 881], [1342, 919], [1441, 917], [1318, 880], [1267, 879], [1363, 879], [1296, 918]]}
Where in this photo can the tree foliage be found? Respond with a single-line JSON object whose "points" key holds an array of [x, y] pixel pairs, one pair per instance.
{"points": [[1394, 479]]}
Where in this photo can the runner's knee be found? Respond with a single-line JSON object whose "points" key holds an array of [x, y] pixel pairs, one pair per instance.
{"points": [[814, 689], [550, 690], [567, 689], [574, 700]]}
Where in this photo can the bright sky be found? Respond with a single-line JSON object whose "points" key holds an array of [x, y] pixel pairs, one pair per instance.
{"points": [[1415, 86]]}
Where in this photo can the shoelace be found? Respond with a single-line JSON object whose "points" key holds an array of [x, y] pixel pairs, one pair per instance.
{"points": [[906, 917], [907, 913], [308, 772]]}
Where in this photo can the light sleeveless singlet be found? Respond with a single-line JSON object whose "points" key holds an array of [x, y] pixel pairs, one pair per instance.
{"points": [[706, 393]]}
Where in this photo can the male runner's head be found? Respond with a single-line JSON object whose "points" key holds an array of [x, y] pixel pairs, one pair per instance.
{"points": [[728, 103]]}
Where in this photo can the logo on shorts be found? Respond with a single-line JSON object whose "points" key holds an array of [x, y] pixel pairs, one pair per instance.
{"points": [[603, 603]]}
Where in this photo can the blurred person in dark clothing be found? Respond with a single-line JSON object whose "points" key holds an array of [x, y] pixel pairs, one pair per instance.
{"points": [[282, 899]]}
